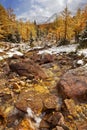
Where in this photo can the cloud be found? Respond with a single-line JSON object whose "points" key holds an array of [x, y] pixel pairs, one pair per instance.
{"points": [[36, 9]]}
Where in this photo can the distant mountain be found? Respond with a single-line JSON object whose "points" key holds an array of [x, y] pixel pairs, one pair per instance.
{"points": [[38, 19], [52, 18], [42, 19]]}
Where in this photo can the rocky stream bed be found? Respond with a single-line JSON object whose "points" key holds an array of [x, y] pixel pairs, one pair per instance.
{"points": [[42, 91]]}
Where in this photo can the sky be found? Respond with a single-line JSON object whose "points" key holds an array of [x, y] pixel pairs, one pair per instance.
{"points": [[40, 9]]}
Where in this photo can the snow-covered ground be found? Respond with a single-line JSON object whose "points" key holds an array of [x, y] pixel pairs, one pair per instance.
{"points": [[57, 50], [9, 52], [82, 52], [15, 48], [22, 48]]}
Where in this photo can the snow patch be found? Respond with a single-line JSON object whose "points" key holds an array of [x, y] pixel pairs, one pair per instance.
{"points": [[61, 49], [82, 52], [11, 53], [31, 114], [1, 50], [80, 62], [1, 58]]}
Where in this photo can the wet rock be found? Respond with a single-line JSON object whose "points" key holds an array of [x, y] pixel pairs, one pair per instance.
{"points": [[29, 69], [73, 84]]}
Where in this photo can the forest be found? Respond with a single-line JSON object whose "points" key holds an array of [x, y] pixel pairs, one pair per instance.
{"points": [[65, 26]]}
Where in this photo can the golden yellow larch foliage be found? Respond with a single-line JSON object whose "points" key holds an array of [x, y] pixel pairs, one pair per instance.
{"points": [[64, 26], [4, 22]]}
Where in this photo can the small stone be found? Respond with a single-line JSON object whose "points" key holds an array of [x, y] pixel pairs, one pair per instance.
{"points": [[51, 102], [44, 124], [16, 88]]}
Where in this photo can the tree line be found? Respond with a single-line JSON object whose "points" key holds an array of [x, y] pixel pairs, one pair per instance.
{"points": [[12, 29], [65, 26]]}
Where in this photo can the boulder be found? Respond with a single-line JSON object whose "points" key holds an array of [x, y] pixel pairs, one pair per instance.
{"points": [[73, 84], [28, 68]]}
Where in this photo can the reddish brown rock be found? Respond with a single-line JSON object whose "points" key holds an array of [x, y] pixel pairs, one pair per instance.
{"points": [[43, 59], [47, 58], [56, 119], [28, 68], [30, 100], [50, 102], [36, 101], [73, 84], [52, 120], [44, 124]]}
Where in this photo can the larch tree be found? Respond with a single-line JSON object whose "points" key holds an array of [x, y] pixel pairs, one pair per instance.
{"points": [[4, 23], [66, 15]]}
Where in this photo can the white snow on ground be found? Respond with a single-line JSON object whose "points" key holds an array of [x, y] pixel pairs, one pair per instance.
{"points": [[10, 54], [32, 115], [19, 49], [57, 50], [1, 50], [82, 52], [1, 58], [80, 62]]}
